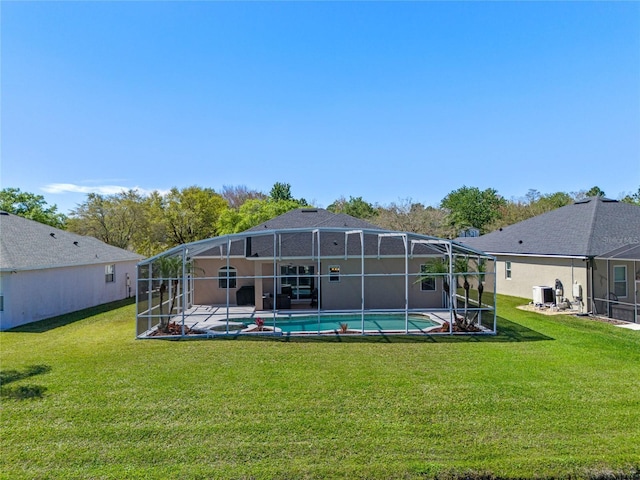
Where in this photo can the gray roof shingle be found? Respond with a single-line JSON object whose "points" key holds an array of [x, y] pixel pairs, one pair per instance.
{"points": [[587, 228], [29, 245], [299, 244], [627, 252], [312, 217]]}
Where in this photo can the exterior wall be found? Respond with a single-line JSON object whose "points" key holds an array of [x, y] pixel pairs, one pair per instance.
{"points": [[381, 292], [619, 307], [527, 272], [34, 295], [206, 289]]}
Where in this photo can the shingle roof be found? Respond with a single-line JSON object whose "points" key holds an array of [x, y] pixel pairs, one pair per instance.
{"points": [[29, 245], [627, 252], [312, 217], [587, 228], [296, 243]]}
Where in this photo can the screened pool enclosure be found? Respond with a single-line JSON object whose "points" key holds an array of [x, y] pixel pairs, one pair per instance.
{"points": [[314, 281]]}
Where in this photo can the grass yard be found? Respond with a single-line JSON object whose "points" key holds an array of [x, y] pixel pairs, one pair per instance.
{"points": [[549, 397]]}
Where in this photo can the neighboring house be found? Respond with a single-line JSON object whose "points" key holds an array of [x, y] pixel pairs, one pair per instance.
{"points": [[306, 259], [45, 272], [589, 246]]}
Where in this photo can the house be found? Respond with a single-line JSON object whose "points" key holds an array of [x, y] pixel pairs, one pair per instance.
{"points": [[45, 272], [309, 261], [587, 252]]}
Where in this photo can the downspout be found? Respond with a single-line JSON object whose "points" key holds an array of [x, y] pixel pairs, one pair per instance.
{"points": [[590, 288]]}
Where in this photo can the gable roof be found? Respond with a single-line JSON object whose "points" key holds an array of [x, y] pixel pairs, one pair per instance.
{"points": [[587, 228], [312, 217], [29, 245]]}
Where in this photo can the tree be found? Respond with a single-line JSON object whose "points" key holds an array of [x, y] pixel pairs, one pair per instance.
{"points": [[407, 216], [169, 270], [192, 214], [435, 268], [115, 219], [281, 191], [356, 207], [595, 192], [31, 206], [533, 204], [633, 198], [236, 196], [472, 207], [252, 213], [461, 267]]}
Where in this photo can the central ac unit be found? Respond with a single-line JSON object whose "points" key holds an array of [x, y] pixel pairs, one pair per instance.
{"points": [[542, 295]]}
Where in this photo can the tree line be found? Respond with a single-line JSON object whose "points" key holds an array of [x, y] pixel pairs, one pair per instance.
{"points": [[150, 224]]}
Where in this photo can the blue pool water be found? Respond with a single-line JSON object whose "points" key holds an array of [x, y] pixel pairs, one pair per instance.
{"points": [[372, 322]]}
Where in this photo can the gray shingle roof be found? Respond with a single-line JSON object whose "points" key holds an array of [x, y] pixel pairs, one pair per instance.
{"points": [[29, 245], [627, 252], [587, 228], [312, 217], [299, 244]]}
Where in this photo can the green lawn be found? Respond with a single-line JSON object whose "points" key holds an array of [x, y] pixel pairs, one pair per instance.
{"points": [[548, 397]]}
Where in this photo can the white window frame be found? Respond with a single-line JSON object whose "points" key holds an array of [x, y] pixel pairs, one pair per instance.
{"points": [[334, 273], [626, 283], [110, 273], [508, 270], [225, 279]]}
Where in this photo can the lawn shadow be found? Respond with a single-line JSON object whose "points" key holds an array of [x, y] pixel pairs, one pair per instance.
{"points": [[22, 392], [42, 326]]}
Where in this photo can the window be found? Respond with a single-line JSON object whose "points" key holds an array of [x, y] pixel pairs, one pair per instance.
{"points": [[507, 270], [297, 280], [1, 303], [427, 283], [620, 280], [334, 273], [227, 276], [110, 273]]}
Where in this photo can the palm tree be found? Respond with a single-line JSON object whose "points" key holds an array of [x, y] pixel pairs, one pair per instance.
{"points": [[481, 268], [461, 267], [169, 271], [438, 268]]}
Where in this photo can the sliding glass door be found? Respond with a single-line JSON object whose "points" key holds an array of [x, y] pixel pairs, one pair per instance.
{"points": [[297, 280]]}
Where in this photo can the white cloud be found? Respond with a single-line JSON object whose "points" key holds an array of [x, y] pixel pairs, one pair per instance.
{"points": [[59, 188]]}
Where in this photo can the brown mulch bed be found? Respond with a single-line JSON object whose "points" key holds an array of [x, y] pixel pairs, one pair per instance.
{"points": [[176, 329]]}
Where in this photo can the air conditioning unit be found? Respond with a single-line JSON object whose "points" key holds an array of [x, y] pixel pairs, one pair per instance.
{"points": [[542, 295]]}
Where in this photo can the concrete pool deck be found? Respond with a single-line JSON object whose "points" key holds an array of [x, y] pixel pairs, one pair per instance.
{"points": [[206, 317]]}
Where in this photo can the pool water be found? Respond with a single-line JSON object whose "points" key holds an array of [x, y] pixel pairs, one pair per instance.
{"points": [[372, 322]]}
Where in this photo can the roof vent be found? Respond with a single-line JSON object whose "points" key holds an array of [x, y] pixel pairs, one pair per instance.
{"points": [[75, 243], [309, 210], [53, 234], [4, 213]]}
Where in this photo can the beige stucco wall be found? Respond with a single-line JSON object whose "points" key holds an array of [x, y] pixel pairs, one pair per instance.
{"points": [[34, 295], [527, 272], [603, 276], [381, 292], [206, 289]]}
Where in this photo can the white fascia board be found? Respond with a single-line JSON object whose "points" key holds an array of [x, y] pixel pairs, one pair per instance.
{"points": [[504, 254]]}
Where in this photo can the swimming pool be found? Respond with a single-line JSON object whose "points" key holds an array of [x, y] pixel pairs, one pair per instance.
{"points": [[383, 322]]}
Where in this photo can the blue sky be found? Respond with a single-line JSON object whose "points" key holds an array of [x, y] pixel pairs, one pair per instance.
{"points": [[384, 100]]}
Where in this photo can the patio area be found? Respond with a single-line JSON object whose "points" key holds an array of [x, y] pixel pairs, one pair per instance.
{"points": [[346, 276]]}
